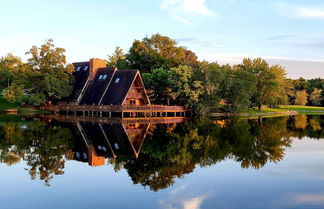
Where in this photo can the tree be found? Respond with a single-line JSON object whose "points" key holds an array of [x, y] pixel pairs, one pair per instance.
{"points": [[301, 97], [117, 59], [316, 97], [159, 51], [10, 67], [237, 89], [185, 89], [158, 85], [48, 76], [269, 80]]}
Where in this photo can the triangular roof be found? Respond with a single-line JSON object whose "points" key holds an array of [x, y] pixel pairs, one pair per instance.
{"points": [[99, 86], [119, 87]]}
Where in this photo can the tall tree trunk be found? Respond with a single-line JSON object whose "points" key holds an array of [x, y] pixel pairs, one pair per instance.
{"points": [[260, 107]]}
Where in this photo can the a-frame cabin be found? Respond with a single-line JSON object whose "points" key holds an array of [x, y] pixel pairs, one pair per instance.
{"points": [[97, 84]]}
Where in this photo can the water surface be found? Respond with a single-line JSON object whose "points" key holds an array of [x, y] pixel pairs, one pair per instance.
{"points": [[224, 163]]}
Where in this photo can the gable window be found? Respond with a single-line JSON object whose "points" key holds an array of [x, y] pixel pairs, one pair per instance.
{"points": [[104, 76], [100, 77], [85, 68], [78, 69], [117, 80]]}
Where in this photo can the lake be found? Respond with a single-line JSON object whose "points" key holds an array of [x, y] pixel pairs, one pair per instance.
{"points": [[256, 163]]}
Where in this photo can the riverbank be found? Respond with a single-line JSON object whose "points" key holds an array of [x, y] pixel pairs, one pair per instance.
{"points": [[281, 110], [15, 108]]}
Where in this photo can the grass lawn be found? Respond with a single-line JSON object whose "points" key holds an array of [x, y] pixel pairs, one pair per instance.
{"points": [[284, 108], [4, 104], [301, 108]]}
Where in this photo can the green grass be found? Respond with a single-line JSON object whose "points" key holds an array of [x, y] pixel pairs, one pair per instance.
{"points": [[299, 108], [285, 108], [4, 105]]}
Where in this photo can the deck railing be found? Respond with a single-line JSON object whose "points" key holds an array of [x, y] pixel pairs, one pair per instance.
{"points": [[112, 108]]}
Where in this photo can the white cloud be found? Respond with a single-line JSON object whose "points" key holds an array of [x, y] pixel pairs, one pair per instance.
{"points": [[303, 12], [187, 203], [180, 19], [313, 199], [194, 203], [178, 9], [192, 6], [311, 13]]}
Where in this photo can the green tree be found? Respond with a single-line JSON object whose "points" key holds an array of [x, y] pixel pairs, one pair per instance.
{"points": [[238, 88], [158, 51], [301, 97], [158, 85], [269, 80], [117, 59], [185, 89], [10, 68], [316, 97], [48, 77]]}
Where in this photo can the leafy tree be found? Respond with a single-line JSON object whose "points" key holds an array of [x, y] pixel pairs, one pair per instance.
{"points": [[158, 51], [10, 68], [158, 85], [185, 89], [237, 89], [301, 97], [48, 77], [316, 97], [269, 80], [117, 59]]}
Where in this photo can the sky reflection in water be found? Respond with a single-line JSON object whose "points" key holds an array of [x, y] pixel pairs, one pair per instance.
{"points": [[232, 163]]}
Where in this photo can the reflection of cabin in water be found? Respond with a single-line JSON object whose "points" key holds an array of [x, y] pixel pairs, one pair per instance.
{"points": [[96, 141], [108, 92]]}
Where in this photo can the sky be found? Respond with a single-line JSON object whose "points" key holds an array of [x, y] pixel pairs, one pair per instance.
{"points": [[285, 32]]}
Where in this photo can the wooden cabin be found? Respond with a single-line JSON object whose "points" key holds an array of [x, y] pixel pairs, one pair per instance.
{"points": [[96, 84], [101, 91]]}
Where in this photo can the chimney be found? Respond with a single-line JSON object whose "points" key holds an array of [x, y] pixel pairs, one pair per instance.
{"points": [[95, 64]]}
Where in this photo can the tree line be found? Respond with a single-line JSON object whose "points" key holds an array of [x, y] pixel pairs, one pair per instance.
{"points": [[172, 75]]}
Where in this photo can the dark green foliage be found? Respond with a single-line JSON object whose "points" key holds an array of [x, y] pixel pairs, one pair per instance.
{"points": [[158, 52]]}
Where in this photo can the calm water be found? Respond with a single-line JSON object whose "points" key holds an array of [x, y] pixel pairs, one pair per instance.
{"points": [[231, 163]]}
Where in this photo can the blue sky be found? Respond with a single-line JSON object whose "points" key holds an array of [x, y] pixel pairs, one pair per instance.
{"points": [[286, 32]]}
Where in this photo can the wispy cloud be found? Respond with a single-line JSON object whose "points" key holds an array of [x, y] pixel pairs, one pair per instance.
{"points": [[279, 37], [312, 13], [177, 9], [195, 6], [194, 203], [313, 199], [180, 19], [303, 12], [187, 203]]}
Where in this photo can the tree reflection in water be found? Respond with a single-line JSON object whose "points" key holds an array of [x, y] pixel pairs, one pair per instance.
{"points": [[170, 150]]}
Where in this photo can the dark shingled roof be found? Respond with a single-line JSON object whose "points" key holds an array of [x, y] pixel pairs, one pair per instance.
{"points": [[118, 139], [81, 78], [117, 91], [96, 136], [98, 87]]}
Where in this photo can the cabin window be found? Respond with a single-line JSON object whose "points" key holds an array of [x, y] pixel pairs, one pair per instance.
{"points": [[104, 77], [132, 101], [85, 68], [78, 69], [116, 146], [85, 156], [117, 80], [100, 77]]}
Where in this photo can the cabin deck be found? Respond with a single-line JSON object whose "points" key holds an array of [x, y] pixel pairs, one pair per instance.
{"points": [[120, 111]]}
